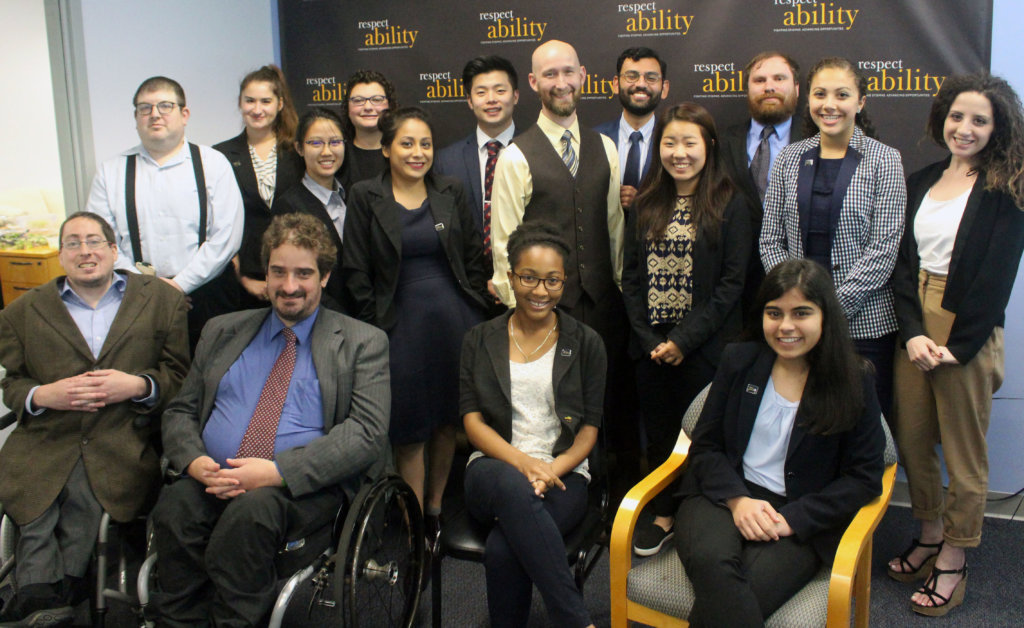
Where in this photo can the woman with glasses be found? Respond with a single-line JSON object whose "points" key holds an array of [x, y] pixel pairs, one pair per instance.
{"points": [[413, 265], [368, 94], [532, 396], [320, 143], [686, 250], [265, 167]]}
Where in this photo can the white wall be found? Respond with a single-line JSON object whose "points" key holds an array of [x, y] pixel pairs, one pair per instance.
{"points": [[30, 157], [206, 46]]}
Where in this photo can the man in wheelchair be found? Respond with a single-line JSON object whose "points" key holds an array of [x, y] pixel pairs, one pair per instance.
{"points": [[91, 358], [282, 413]]}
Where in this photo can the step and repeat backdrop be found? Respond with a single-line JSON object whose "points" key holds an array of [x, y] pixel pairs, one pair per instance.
{"points": [[906, 49]]}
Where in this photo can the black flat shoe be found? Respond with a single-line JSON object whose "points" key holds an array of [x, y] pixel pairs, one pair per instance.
{"points": [[908, 572], [941, 604]]}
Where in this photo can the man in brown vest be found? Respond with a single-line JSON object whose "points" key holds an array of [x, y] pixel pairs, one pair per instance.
{"points": [[566, 174]]}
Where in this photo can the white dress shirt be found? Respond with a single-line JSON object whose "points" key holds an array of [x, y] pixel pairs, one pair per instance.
{"points": [[332, 201], [647, 130]]}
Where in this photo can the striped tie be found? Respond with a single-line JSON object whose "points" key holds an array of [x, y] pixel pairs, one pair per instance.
{"points": [[568, 154]]}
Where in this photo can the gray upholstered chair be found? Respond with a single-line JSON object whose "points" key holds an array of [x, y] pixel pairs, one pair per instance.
{"points": [[656, 591]]}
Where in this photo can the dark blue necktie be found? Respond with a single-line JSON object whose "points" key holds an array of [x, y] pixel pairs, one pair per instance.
{"points": [[631, 176]]}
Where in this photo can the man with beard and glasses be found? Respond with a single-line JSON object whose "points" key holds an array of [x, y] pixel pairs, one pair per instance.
{"points": [[749, 148], [283, 412], [568, 175], [641, 84]]}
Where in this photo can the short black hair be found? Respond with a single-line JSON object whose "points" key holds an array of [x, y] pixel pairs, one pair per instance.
{"points": [[312, 115], [536, 233], [488, 63], [638, 53]]}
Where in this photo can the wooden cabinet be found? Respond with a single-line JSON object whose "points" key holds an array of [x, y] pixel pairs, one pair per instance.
{"points": [[22, 270]]}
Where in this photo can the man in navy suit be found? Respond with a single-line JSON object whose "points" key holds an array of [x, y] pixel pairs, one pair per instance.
{"points": [[492, 88], [641, 82], [773, 89]]}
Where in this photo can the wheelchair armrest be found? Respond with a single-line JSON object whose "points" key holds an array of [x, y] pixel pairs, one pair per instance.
{"points": [[620, 550], [853, 558]]}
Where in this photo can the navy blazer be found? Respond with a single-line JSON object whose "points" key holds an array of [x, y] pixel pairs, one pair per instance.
{"points": [[578, 377], [611, 130], [462, 161], [290, 169], [372, 256], [866, 224], [718, 273], [986, 253], [828, 477]]}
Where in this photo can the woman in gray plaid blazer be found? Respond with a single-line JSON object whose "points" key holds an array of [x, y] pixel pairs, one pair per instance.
{"points": [[839, 198]]}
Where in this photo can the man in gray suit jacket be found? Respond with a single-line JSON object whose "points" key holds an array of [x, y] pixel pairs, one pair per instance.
{"points": [[283, 412]]}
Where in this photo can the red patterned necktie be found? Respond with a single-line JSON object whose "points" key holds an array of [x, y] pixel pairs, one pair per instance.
{"points": [[259, 438], [493, 148]]}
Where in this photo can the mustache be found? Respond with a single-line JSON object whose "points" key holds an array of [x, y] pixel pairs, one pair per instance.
{"points": [[290, 295], [638, 89]]}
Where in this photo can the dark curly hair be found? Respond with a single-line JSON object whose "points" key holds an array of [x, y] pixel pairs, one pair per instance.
{"points": [[536, 233], [358, 78], [301, 231], [1002, 159]]}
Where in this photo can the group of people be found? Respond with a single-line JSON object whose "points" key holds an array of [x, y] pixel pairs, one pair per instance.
{"points": [[340, 287]]}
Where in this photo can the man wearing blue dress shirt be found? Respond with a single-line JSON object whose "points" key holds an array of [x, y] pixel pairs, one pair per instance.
{"points": [[91, 357], [219, 527], [641, 82]]}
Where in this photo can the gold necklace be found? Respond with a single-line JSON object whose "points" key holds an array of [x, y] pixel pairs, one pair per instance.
{"points": [[512, 335]]}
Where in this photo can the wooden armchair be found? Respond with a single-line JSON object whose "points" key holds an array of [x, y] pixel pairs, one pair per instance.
{"points": [[656, 591]]}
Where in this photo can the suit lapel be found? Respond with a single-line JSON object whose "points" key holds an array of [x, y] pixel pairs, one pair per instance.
{"points": [[136, 297], [471, 160], [241, 163], [753, 392], [566, 351], [804, 188], [326, 340], [51, 309], [496, 344], [231, 344], [846, 169], [386, 209], [442, 209], [971, 212]]}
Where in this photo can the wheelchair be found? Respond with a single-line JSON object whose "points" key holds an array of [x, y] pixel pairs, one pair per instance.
{"points": [[369, 562]]}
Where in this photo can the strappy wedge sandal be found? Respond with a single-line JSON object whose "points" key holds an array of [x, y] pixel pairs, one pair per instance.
{"points": [[941, 604], [908, 572]]}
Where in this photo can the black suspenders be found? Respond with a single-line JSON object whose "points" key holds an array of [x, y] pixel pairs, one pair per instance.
{"points": [[129, 200]]}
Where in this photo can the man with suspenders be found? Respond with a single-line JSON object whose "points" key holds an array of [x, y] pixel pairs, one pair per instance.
{"points": [[175, 206]]}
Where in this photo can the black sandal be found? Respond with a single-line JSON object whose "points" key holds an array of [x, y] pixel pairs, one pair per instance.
{"points": [[946, 604], [908, 572]]}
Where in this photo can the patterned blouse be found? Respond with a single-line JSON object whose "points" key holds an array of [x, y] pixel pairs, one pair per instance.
{"points": [[266, 173], [670, 267]]}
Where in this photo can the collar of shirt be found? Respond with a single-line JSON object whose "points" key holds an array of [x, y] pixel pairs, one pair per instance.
{"points": [[776, 142], [647, 130], [183, 155], [553, 131], [504, 137], [273, 326], [115, 291], [322, 194]]}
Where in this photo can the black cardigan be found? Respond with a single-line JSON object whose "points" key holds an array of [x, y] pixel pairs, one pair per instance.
{"points": [[719, 272], [986, 252], [578, 376], [373, 246]]}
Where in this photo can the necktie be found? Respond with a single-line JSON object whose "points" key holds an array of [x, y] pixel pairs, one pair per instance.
{"points": [[631, 176], [569, 154], [493, 148], [259, 438], [760, 165]]}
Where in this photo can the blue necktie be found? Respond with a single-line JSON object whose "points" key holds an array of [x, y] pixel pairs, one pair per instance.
{"points": [[631, 176]]}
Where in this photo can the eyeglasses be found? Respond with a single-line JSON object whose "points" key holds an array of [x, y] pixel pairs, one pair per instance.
{"points": [[359, 101], [334, 142], [92, 243], [554, 284], [632, 76], [164, 107]]}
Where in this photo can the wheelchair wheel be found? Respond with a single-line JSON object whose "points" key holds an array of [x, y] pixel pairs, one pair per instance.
{"points": [[382, 556]]}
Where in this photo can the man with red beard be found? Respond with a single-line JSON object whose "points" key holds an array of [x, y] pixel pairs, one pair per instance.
{"points": [[641, 83], [749, 148]]}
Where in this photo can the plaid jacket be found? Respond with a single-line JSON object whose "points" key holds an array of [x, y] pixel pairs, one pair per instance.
{"points": [[866, 228]]}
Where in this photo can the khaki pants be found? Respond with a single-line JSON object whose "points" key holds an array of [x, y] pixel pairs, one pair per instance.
{"points": [[948, 405]]}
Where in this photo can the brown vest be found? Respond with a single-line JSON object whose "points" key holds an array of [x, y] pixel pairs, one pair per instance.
{"points": [[577, 207]]}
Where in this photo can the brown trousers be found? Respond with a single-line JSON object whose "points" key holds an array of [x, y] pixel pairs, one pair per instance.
{"points": [[949, 405]]}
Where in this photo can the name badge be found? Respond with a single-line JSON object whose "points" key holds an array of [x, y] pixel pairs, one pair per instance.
{"points": [[808, 162], [751, 389], [566, 353], [439, 226]]}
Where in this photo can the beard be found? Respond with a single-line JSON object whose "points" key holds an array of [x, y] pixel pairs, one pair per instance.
{"points": [[653, 100], [771, 113], [560, 107]]}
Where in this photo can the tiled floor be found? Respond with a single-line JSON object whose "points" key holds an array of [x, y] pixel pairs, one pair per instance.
{"points": [[1000, 505]]}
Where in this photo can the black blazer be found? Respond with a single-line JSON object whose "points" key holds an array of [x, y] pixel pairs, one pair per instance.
{"points": [[986, 253], [290, 169], [734, 158], [373, 251], [300, 200], [719, 270], [578, 377], [828, 478]]}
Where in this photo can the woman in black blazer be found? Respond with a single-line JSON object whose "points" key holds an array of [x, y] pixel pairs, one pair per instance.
{"points": [[957, 265], [687, 246], [788, 448], [531, 397], [319, 140], [414, 267], [264, 145]]}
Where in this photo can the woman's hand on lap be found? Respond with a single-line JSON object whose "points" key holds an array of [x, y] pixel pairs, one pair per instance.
{"points": [[755, 519]]}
